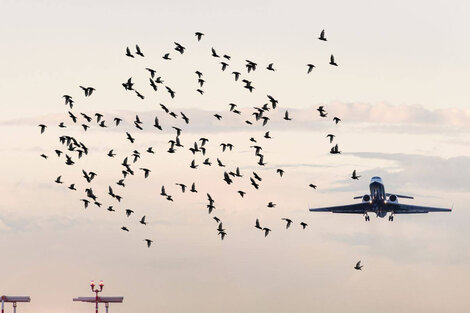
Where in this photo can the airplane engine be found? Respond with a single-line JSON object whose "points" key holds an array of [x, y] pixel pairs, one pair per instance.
{"points": [[366, 198], [392, 198]]}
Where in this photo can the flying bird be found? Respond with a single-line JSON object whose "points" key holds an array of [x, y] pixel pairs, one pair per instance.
{"points": [[322, 35], [354, 176], [358, 266], [332, 60], [289, 222], [198, 35]]}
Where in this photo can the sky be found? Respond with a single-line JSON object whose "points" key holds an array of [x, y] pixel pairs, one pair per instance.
{"points": [[400, 91]]}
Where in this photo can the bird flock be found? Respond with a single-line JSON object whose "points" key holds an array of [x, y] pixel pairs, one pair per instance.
{"points": [[72, 149]]}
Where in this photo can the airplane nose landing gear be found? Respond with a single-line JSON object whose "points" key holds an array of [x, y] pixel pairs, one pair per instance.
{"points": [[366, 217], [390, 218]]}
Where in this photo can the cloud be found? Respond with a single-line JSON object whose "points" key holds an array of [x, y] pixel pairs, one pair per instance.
{"points": [[381, 116], [413, 170]]}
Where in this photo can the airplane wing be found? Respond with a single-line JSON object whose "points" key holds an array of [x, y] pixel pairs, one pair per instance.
{"points": [[399, 208], [399, 196], [358, 208]]}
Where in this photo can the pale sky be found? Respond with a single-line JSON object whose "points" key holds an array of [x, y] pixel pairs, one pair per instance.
{"points": [[400, 90]]}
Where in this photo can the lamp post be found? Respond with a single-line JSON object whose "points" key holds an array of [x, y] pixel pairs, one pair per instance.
{"points": [[97, 299], [96, 291]]}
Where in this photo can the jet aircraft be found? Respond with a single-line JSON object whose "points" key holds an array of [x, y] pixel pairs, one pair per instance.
{"points": [[380, 203]]}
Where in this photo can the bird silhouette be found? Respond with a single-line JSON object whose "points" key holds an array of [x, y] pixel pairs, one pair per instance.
{"points": [[313, 186], [149, 242], [128, 53], [257, 224], [332, 60], [336, 120], [358, 266], [303, 225], [270, 67], [322, 35], [266, 231], [198, 35], [310, 67], [43, 128], [354, 176], [331, 136], [289, 222], [138, 51], [142, 221]]}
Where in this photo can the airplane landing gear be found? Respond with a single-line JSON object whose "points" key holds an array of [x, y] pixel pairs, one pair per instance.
{"points": [[390, 218], [367, 218]]}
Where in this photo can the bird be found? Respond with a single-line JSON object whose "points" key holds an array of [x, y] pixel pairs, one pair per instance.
{"points": [[170, 91], [237, 75], [72, 187], [222, 234], [322, 35], [219, 162], [179, 48], [313, 186], [217, 116], [332, 61], [124, 228], [131, 139], [166, 56], [128, 85], [43, 128], [354, 176], [129, 212], [254, 183], [227, 178], [85, 202], [267, 136], [214, 53], [58, 181], [149, 242], [310, 68], [142, 221], [335, 150], [44, 156], [88, 90], [193, 187], [358, 266], [242, 193], [111, 153], [117, 120], [257, 225], [193, 164], [151, 71], [289, 222], [156, 123], [138, 51], [198, 35], [303, 224], [183, 187], [216, 219], [146, 172], [257, 177], [270, 67], [331, 136], [128, 53], [266, 231], [224, 65], [271, 205], [286, 116], [336, 119], [280, 171]]}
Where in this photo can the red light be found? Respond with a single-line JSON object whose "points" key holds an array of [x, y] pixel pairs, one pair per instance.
{"points": [[92, 283], [101, 283]]}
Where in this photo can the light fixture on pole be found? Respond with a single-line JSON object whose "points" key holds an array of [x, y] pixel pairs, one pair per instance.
{"points": [[97, 299]]}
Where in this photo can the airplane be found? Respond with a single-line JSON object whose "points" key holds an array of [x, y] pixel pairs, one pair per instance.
{"points": [[380, 203]]}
